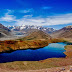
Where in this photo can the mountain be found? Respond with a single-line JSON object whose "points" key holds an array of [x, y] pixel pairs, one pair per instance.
{"points": [[4, 31], [28, 28], [37, 35], [65, 32]]}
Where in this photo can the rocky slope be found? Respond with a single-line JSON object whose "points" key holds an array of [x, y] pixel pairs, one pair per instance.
{"points": [[4, 31], [37, 35], [65, 32]]}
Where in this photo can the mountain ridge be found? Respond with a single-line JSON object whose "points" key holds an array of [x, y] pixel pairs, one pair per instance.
{"points": [[4, 31], [27, 28], [65, 32]]}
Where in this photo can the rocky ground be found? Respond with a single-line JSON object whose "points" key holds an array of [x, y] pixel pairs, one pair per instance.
{"points": [[55, 69]]}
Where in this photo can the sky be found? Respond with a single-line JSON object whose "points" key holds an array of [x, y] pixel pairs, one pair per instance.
{"points": [[51, 13]]}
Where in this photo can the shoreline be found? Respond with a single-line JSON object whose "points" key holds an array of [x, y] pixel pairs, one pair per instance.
{"points": [[46, 42], [13, 45]]}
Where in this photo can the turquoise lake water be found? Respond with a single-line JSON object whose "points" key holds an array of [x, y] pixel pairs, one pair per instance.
{"points": [[53, 50]]}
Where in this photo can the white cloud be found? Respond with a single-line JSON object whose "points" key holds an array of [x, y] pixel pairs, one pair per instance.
{"points": [[7, 17], [9, 11], [30, 20], [26, 11], [50, 20], [27, 16], [61, 19]]}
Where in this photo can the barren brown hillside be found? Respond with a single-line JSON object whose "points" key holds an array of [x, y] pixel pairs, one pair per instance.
{"points": [[4, 31], [65, 32], [37, 35]]}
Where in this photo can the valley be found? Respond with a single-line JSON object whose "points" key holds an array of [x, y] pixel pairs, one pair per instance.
{"points": [[35, 40]]}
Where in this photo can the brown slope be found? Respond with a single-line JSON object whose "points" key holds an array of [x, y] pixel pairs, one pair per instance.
{"points": [[37, 35], [65, 32], [4, 31]]}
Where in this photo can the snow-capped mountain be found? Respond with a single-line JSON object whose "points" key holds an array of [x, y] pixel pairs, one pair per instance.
{"points": [[30, 27]]}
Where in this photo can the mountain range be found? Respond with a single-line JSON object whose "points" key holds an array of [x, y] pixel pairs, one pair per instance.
{"points": [[28, 28], [36, 32]]}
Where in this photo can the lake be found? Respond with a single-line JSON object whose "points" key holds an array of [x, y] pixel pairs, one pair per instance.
{"points": [[53, 50]]}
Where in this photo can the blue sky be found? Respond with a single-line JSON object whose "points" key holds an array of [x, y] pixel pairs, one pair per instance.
{"points": [[51, 13]]}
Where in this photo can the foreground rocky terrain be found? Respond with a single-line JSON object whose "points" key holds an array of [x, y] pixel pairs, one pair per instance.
{"points": [[54, 69]]}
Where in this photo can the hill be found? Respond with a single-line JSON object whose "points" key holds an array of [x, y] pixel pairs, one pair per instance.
{"points": [[37, 35], [65, 32], [4, 31]]}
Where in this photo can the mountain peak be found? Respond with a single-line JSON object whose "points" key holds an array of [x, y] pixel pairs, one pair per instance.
{"points": [[37, 35]]}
